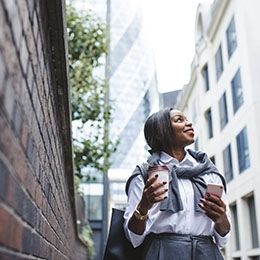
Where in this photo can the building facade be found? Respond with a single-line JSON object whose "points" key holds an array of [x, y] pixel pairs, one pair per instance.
{"points": [[37, 200], [132, 81], [222, 100]]}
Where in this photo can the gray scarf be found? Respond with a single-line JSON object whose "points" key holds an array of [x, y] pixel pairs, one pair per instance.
{"points": [[194, 173]]}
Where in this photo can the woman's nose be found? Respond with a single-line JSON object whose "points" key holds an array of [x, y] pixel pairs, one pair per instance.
{"points": [[188, 123]]}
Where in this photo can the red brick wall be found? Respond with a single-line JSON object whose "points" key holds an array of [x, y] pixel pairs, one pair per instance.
{"points": [[37, 209]]}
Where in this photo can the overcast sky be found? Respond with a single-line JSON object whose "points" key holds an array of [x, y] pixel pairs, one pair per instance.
{"points": [[171, 27]]}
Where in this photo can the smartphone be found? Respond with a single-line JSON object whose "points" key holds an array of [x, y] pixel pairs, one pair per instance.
{"points": [[215, 189]]}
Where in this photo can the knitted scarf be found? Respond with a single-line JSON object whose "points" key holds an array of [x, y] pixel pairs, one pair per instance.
{"points": [[194, 173]]}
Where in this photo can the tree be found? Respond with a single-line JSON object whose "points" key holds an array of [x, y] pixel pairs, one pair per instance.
{"points": [[91, 113]]}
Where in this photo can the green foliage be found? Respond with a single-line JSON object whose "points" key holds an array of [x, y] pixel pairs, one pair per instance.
{"points": [[86, 236], [87, 50], [90, 109]]}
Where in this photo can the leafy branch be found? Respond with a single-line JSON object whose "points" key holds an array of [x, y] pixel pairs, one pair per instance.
{"points": [[90, 109]]}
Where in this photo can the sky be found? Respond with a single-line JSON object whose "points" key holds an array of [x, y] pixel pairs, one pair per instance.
{"points": [[170, 25]]}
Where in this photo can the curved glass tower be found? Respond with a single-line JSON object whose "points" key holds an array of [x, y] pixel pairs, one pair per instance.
{"points": [[132, 81]]}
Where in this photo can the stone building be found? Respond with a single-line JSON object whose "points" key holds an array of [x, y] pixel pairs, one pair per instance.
{"points": [[222, 100]]}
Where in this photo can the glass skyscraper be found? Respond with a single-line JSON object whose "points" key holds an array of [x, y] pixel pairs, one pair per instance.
{"points": [[132, 78], [132, 81]]}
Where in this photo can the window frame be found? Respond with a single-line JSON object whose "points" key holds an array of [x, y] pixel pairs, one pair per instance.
{"points": [[231, 43], [242, 147], [227, 163], [236, 84], [209, 122], [223, 111], [219, 65], [236, 234], [253, 221], [205, 76]]}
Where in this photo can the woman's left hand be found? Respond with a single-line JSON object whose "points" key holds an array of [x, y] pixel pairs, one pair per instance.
{"points": [[215, 209]]}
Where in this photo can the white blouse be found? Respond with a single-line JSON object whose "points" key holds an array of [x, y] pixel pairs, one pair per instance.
{"points": [[186, 221]]}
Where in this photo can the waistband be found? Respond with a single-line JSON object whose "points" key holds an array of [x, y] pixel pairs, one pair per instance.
{"points": [[175, 236]]}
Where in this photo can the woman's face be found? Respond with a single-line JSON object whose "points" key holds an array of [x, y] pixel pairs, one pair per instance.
{"points": [[182, 128]]}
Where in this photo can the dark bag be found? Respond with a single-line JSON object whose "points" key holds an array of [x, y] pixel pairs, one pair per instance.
{"points": [[118, 247]]}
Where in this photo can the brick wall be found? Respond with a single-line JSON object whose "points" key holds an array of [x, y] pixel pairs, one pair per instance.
{"points": [[37, 208]]}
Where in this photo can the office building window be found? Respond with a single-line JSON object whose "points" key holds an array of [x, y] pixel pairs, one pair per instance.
{"points": [[223, 113], [231, 37], [235, 233], [219, 62], [94, 211], [205, 75], [237, 91], [228, 167], [212, 158], [243, 150], [253, 221], [208, 118], [256, 257], [93, 189]]}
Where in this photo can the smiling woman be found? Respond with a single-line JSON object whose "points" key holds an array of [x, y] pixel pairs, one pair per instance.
{"points": [[183, 131], [174, 216]]}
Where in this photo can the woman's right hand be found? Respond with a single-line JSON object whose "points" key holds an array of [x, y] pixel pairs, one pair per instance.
{"points": [[153, 192]]}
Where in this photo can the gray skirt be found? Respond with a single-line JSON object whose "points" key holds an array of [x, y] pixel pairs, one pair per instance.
{"points": [[168, 246]]}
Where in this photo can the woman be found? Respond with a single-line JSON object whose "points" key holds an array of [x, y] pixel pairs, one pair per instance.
{"points": [[188, 223]]}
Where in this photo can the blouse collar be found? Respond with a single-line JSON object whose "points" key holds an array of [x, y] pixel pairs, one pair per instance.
{"points": [[188, 160]]}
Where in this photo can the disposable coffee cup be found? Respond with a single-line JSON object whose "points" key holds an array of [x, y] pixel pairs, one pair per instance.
{"points": [[163, 175]]}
